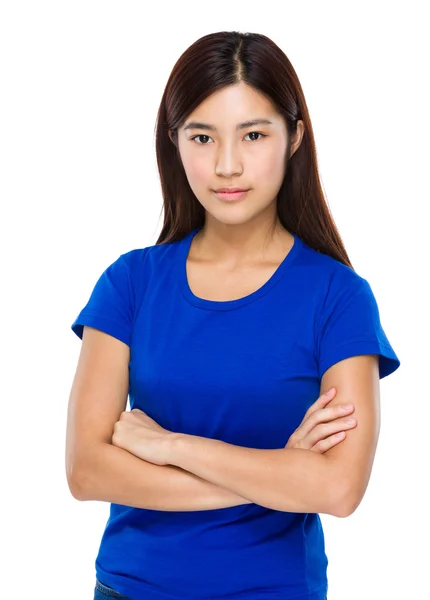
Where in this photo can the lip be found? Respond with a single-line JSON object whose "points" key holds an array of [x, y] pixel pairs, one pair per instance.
{"points": [[231, 195], [230, 190]]}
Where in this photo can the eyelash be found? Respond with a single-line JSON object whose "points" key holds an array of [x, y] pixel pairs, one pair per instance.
{"points": [[204, 135]]}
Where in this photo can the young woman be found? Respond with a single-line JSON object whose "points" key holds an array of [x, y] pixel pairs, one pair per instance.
{"points": [[226, 335]]}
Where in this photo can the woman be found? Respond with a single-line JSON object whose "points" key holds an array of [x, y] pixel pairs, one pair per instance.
{"points": [[227, 335]]}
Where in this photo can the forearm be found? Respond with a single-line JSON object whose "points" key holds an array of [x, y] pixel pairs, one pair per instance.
{"points": [[112, 474], [290, 480]]}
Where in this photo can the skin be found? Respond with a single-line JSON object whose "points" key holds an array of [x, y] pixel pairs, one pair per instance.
{"points": [[320, 429], [236, 235], [243, 233]]}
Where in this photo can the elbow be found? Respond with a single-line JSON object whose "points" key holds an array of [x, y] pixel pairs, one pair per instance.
{"points": [[83, 472], [76, 490], [347, 501], [74, 481]]}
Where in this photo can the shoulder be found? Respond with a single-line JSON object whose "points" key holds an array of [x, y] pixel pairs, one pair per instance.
{"points": [[140, 265], [137, 258], [331, 275], [348, 321]]}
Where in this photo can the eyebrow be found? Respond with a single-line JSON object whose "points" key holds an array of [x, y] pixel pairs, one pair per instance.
{"points": [[245, 125]]}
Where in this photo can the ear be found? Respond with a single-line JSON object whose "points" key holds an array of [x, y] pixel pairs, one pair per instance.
{"points": [[172, 136], [298, 136]]}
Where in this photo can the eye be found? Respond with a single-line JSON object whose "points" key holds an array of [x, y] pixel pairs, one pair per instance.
{"points": [[201, 135], [256, 132]]}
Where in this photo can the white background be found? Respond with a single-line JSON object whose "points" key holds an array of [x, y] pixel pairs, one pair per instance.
{"points": [[80, 87]]}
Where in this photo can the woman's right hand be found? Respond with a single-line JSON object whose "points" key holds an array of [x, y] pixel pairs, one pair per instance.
{"points": [[322, 428]]}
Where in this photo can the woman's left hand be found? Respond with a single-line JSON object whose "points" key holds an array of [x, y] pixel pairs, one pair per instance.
{"points": [[142, 436]]}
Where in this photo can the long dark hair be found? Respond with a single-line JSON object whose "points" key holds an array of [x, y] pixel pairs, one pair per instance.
{"points": [[213, 62]]}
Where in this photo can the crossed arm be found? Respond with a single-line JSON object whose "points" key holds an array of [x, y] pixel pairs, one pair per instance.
{"points": [[204, 474], [296, 480]]}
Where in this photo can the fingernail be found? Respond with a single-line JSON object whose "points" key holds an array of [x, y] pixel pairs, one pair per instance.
{"points": [[347, 406], [329, 392]]}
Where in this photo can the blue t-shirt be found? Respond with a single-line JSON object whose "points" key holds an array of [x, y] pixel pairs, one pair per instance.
{"points": [[241, 371]]}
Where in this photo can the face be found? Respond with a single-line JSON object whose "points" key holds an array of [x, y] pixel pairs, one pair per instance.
{"points": [[222, 154]]}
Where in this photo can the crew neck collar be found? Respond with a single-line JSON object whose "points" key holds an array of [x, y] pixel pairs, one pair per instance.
{"points": [[229, 304]]}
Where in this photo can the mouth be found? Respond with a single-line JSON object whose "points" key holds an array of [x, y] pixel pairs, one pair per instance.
{"points": [[228, 195]]}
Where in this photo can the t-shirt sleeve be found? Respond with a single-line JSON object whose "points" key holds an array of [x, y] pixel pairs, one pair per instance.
{"points": [[351, 325], [110, 307]]}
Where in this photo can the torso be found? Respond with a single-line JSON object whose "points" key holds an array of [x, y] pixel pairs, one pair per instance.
{"points": [[212, 282]]}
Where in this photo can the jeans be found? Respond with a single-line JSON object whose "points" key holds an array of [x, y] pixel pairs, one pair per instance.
{"points": [[104, 592]]}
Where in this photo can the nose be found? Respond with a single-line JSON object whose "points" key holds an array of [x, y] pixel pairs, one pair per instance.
{"points": [[228, 162]]}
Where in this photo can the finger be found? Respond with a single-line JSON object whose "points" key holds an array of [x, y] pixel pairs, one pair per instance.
{"points": [[137, 411], [323, 415], [322, 401], [319, 413], [324, 445], [325, 430], [326, 415]]}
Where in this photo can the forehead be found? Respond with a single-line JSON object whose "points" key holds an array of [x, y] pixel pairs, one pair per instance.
{"points": [[234, 106]]}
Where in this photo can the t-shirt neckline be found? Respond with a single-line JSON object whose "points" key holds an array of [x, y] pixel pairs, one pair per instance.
{"points": [[187, 293]]}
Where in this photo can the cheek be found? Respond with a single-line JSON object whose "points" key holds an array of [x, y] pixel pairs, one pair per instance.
{"points": [[267, 165], [196, 168], [271, 165]]}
